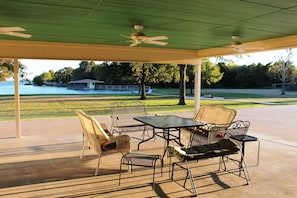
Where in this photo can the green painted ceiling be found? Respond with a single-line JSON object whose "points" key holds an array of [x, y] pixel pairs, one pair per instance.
{"points": [[189, 24]]}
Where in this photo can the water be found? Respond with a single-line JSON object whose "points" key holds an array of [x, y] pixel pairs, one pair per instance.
{"points": [[7, 88]]}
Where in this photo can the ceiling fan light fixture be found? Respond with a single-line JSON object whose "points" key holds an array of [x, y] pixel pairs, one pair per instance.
{"points": [[235, 41], [138, 27]]}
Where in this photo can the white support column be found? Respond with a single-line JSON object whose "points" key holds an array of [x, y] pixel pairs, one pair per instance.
{"points": [[197, 89], [17, 99]]}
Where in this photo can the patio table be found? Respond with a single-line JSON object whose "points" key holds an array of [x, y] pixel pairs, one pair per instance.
{"points": [[168, 125]]}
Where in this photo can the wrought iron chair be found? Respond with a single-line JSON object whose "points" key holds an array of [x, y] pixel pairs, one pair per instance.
{"points": [[196, 152], [217, 119], [237, 132]]}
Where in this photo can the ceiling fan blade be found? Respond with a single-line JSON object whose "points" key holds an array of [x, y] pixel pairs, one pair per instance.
{"points": [[154, 38], [125, 36], [17, 34], [155, 42], [133, 44], [11, 29]]}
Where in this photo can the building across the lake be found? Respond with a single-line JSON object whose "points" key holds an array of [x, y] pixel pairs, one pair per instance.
{"points": [[90, 84], [84, 84]]}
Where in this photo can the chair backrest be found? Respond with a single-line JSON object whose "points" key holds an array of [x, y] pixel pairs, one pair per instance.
{"points": [[80, 115], [96, 128], [122, 114], [90, 133], [217, 114], [237, 127]]}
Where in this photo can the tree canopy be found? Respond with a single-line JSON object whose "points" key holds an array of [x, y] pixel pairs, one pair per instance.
{"points": [[7, 69], [219, 75]]}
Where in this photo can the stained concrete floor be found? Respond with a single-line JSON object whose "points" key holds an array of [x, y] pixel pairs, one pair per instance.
{"points": [[45, 162]]}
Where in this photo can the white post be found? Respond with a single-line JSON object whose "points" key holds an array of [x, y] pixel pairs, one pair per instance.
{"points": [[197, 88], [17, 99]]}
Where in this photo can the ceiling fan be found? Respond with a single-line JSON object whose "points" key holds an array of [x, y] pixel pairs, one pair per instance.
{"points": [[138, 37], [238, 46], [14, 31]]}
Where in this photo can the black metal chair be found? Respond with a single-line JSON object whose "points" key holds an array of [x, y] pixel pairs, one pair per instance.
{"points": [[195, 152]]}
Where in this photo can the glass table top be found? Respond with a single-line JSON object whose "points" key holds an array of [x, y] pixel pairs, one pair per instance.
{"points": [[168, 121]]}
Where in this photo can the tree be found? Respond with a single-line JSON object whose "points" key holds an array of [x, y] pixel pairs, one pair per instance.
{"points": [[48, 76], [182, 84], [151, 73], [7, 69], [84, 71], [210, 73], [190, 71], [143, 72], [45, 76], [114, 73], [282, 65], [37, 80], [228, 75], [5, 73], [63, 75]]}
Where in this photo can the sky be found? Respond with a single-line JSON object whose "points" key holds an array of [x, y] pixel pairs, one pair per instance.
{"points": [[37, 67]]}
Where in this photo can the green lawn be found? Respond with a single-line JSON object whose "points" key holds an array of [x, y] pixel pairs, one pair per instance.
{"points": [[50, 106], [235, 93]]}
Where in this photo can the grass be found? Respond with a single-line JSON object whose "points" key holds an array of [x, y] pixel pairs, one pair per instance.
{"points": [[55, 106], [235, 93]]}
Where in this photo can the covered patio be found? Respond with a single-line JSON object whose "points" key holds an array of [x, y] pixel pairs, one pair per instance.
{"points": [[140, 31], [45, 162]]}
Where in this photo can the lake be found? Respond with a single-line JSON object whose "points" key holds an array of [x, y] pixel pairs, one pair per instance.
{"points": [[7, 88]]}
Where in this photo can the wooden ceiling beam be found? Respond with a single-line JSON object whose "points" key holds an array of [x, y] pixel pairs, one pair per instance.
{"points": [[251, 47], [70, 51]]}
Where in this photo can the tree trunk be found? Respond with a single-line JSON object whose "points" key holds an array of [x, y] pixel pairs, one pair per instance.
{"points": [[191, 83], [182, 85], [284, 70], [143, 91], [283, 89]]}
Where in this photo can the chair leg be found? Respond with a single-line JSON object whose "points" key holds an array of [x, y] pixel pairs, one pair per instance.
{"points": [[83, 147], [258, 152], [222, 163], [85, 144], [245, 171], [82, 152], [122, 159], [188, 176], [97, 169]]}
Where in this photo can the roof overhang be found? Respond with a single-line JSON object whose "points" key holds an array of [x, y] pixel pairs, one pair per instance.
{"points": [[73, 51]]}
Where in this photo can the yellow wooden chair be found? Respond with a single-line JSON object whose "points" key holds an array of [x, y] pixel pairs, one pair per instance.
{"points": [[99, 140], [85, 139]]}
